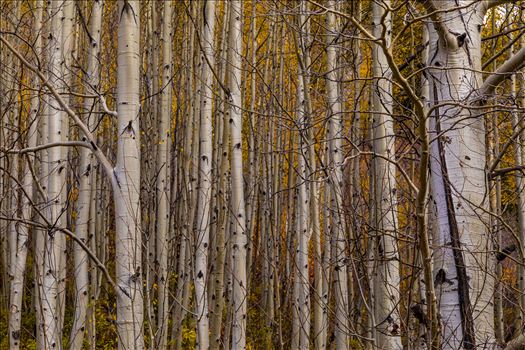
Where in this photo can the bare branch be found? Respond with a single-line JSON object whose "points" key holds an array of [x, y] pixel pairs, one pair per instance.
{"points": [[46, 146], [74, 237], [503, 171], [104, 161], [513, 64]]}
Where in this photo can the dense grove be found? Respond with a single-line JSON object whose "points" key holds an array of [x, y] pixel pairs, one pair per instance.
{"points": [[262, 174]]}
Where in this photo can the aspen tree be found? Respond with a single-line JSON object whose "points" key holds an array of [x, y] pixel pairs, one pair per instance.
{"points": [[21, 231], [301, 333], [463, 270], [12, 173], [386, 274], [163, 178], [222, 204], [66, 75], [495, 204], [55, 242], [239, 238], [187, 208], [86, 176], [126, 181], [43, 166], [205, 172], [519, 154], [335, 134]]}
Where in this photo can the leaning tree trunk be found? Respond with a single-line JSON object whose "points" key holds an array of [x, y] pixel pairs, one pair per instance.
{"points": [[126, 181], [386, 276]]}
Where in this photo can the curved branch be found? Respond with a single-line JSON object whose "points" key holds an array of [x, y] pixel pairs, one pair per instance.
{"points": [[513, 64]]}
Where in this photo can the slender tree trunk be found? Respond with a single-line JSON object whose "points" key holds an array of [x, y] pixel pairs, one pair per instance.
{"points": [[163, 179], [205, 173], [239, 241], [187, 208], [55, 244], [86, 176], [302, 285], [21, 231], [519, 154], [66, 76], [126, 181], [222, 200], [387, 280], [335, 134]]}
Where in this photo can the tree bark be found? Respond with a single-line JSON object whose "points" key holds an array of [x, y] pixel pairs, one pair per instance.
{"points": [[462, 265], [386, 279], [240, 240], [55, 245], [126, 181], [205, 172], [163, 179], [86, 175]]}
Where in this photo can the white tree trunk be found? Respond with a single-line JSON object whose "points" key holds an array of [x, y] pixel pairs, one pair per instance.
{"points": [[21, 231], [86, 176], [301, 283], [205, 172], [335, 135], [519, 154], [126, 181], [386, 276], [187, 208], [66, 75], [240, 241], [55, 244], [222, 193], [163, 179], [463, 266]]}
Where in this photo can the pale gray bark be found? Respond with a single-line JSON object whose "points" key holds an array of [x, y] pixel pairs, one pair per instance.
{"points": [[55, 244], [237, 205], [86, 176], [205, 172], [463, 269], [126, 182], [335, 134], [301, 298], [386, 275], [187, 207], [222, 201], [163, 179], [19, 233]]}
